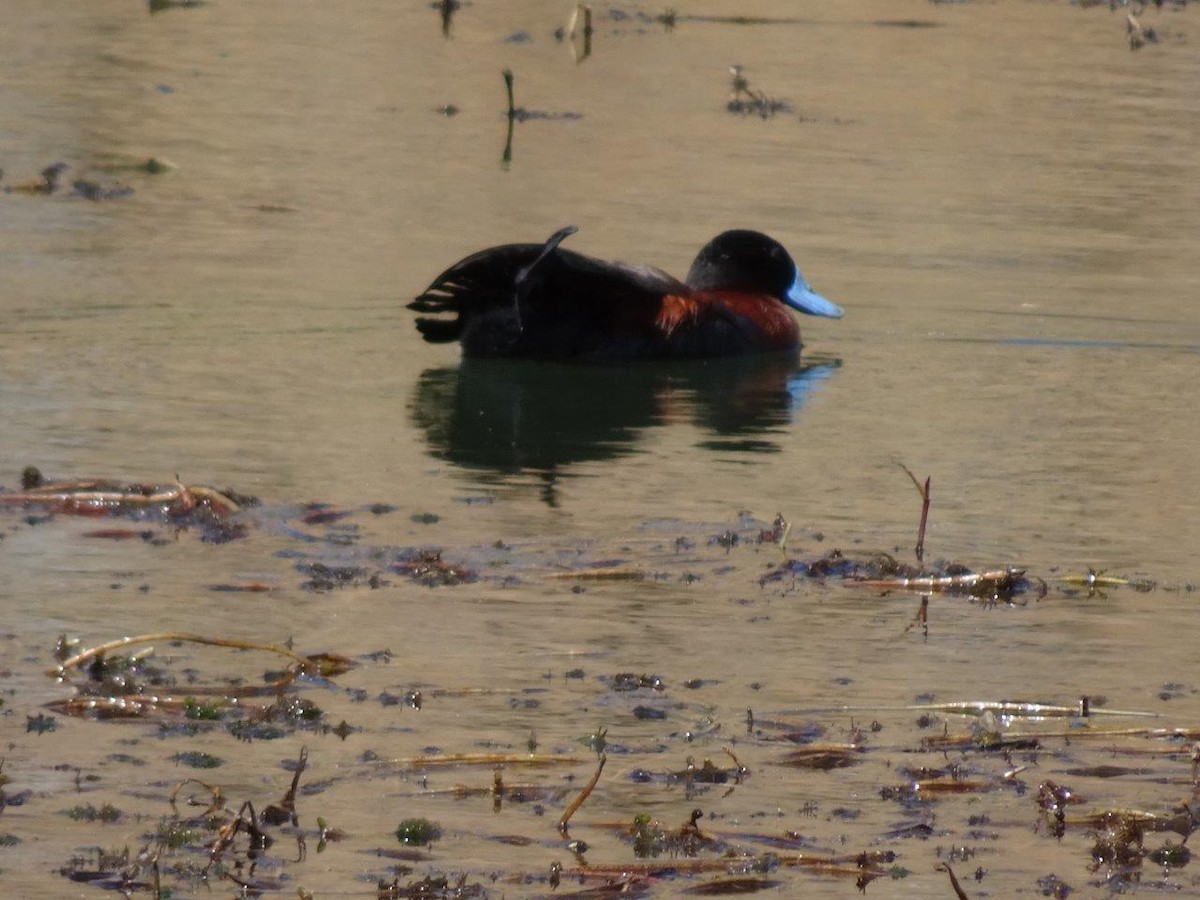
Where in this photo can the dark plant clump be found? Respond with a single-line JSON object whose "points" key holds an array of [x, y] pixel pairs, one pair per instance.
{"points": [[418, 832]]}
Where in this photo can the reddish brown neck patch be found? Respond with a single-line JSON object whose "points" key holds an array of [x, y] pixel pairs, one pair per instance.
{"points": [[766, 320]]}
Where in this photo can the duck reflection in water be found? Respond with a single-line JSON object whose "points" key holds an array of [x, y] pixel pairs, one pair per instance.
{"points": [[506, 417]]}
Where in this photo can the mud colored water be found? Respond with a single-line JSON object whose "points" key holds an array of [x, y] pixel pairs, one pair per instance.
{"points": [[1003, 197]]}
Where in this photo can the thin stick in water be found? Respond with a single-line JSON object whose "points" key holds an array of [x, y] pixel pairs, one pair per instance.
{"points": [[924, 492], [583, 795]]}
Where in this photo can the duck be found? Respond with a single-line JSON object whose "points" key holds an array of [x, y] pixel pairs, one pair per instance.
{"points": [[542, 301]]}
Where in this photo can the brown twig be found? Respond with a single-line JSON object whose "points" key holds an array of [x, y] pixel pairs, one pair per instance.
{"points": [[945, 867], [924, 492], [485, 759], [583, 795], [285, 809], [993, 584], [142, 706], [98, 496], [842, 865]]}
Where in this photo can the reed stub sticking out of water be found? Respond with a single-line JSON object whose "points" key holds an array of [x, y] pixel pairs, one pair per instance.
{"points": [[583, 795], [923, 490]]}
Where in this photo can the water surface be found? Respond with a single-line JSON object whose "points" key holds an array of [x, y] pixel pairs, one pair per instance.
{"points": [[1004, 199]]}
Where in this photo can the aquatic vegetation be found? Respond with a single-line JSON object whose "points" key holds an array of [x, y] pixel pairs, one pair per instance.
{"points": [[120, 686], [198, 759], [954, 769], [417, 832], [157, 6], [88, 813], [428, 568]]}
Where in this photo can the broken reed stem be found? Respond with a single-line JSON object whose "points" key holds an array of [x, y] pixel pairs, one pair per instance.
{"points": [[843, 865], [1012, 709], [288, 804], [1017, 709], [783, 538], [84, 494], [601, 575], [969, 581], [583, 795], [60, 671], [924, 492], [141, 706], [924, 519], [485, 759]]}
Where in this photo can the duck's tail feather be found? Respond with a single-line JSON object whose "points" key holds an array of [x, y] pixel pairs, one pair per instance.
{"points": [[479, 283]]}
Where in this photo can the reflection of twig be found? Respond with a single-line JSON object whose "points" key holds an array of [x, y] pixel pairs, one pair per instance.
{"points": [[921, 618], [447, 9], [506, 157], [583, 795]]}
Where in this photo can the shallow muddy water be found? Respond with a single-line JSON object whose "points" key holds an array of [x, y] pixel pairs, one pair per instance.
{"points": [[1004, 198]]}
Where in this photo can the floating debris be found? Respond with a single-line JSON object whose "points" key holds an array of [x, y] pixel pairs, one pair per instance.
{"points": [[157, 6], [1138, 36], [579, 32], [629, 681], [178, 505], [823, 756], [94, 191], [883, 572], [955, 789], [47, 184], [744, 100], [453, 760], [428, 568], [121, 686]]}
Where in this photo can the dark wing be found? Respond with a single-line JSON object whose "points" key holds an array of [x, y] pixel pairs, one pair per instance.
{"points": [[471, 287], [543, 293]]}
